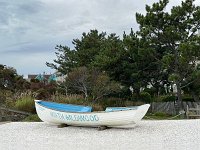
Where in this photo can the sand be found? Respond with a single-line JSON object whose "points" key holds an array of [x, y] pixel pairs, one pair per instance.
{"points": [[147, 135]]}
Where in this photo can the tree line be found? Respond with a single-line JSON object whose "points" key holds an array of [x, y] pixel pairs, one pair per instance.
{"points": [[165, 51]]}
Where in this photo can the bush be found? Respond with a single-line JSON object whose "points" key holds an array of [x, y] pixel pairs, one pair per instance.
{"points": [[112, 102], [124, 93], [145, 97], [96, 107], [4, 96], [26, 103], [151, 91], [32, 118], [10, 103], [68, 99], [169, 98], [188, 99], [161, 114], [165, 98], [42, 94]]}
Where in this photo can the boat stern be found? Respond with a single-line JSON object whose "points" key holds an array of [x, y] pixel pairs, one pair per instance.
{"points": [[37, 100], [141, 112]]}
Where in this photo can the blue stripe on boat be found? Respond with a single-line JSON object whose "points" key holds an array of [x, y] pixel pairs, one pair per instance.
{"points": [[65, 107]]}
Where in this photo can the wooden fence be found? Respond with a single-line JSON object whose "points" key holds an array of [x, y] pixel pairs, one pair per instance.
{"points": [[165, 107], [7, 114], [170, 107]]}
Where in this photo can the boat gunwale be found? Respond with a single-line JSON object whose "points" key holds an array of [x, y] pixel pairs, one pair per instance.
{"points": [[85, 112]]}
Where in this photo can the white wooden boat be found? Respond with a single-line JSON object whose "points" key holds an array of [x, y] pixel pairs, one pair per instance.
{"points": [[76, 115]]}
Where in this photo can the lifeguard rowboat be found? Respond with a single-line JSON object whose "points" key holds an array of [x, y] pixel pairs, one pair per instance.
{"points": [[76, 115]]}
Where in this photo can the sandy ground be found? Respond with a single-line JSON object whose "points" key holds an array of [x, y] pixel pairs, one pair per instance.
{"points": [[148, 135]]}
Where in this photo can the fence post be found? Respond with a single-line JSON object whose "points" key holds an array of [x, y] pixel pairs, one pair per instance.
{"points": [[187, 111], [198, 110], [0, 115]]}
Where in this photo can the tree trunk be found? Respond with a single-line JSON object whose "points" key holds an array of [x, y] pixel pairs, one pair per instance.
{"points": [[179, 96], [86, 95], [178, 85], [66, 90]]}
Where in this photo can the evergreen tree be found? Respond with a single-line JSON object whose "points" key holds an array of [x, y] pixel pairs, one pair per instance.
{"points": [[172, 37], [83, 54]]}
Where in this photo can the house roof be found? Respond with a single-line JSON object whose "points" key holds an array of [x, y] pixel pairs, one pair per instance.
{"points": [[41, 76]]}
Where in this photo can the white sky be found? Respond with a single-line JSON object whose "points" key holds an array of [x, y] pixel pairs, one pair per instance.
{"points": [[30, 29]]}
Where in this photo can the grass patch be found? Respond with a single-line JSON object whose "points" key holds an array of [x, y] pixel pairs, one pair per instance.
{"points": [[161, 116], [32, 118], [25, 103]]}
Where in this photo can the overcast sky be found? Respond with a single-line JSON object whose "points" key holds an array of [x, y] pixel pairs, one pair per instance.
{"points": [[30, 29]]}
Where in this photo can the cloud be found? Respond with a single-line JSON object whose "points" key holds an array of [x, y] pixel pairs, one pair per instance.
{"points": [[30, 30], [28, 64]]}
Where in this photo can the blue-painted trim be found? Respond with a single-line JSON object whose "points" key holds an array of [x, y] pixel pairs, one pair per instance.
{"points": [[65, 107]]}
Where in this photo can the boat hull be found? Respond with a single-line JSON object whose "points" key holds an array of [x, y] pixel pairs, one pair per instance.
{"points": [[110, 119]]}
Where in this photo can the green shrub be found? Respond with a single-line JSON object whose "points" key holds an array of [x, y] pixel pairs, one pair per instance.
{"points": [[165, 98], [68, 99], [32, 118], [10, 103], [151, 91], [96, 107], [124, 93], [112, 102], [161, 114], [187, 99], [4, 96], [25, 103], [145, 97], [42, 94], [170, 98]]}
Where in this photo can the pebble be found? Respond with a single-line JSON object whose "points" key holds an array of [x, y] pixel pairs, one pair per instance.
{"points": [[147, 135]]}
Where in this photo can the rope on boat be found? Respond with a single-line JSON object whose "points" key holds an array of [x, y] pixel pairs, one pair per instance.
{"points": [[166, 118]]}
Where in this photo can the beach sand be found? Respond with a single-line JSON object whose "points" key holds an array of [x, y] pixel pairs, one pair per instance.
{"points": [[4, 122], [147, 135]]}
